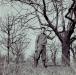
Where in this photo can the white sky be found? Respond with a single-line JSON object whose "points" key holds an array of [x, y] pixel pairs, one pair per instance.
{"points": [[15, 9]]}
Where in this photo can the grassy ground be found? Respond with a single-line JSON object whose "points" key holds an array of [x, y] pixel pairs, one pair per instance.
{"points": [[50, 70], [27, 68]]}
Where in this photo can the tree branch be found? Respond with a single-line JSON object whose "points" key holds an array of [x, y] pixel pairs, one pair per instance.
{"points": [[49, 23], [73, 39], [71, 10]]}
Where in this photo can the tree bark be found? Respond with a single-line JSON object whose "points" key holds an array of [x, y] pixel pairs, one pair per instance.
{"points": [[8, 41], [66, 50], [65, 54]]}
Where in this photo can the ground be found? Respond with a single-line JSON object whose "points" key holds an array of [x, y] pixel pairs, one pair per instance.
{"points": [[28, 68]]}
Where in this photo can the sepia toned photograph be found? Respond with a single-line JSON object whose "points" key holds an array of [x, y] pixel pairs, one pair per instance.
{"points": [[37, 37]]}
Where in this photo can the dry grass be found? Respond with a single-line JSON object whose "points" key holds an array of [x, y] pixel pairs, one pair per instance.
{"points": [[27, 68]]}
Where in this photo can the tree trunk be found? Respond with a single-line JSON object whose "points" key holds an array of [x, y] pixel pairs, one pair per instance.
{"points": [[8, 41], [66, 52]]}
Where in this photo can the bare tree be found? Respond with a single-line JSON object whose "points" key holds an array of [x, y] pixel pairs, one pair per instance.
{"points": [[14, 40], [43, 7], [53, 55], [53, 49], [6, 29], [18, 48], [14, 37]]}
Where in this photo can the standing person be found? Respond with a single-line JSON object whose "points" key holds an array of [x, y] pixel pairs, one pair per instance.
{"points": [[40, 45]]}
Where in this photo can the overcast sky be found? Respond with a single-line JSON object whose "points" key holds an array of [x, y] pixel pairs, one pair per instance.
{"points": [[16, 9]]}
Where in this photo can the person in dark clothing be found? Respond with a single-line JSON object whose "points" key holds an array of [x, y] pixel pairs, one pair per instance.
{"points": [[40, 45]]}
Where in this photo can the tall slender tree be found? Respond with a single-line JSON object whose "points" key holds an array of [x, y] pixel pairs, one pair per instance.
{"points": [[13, 36]]}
